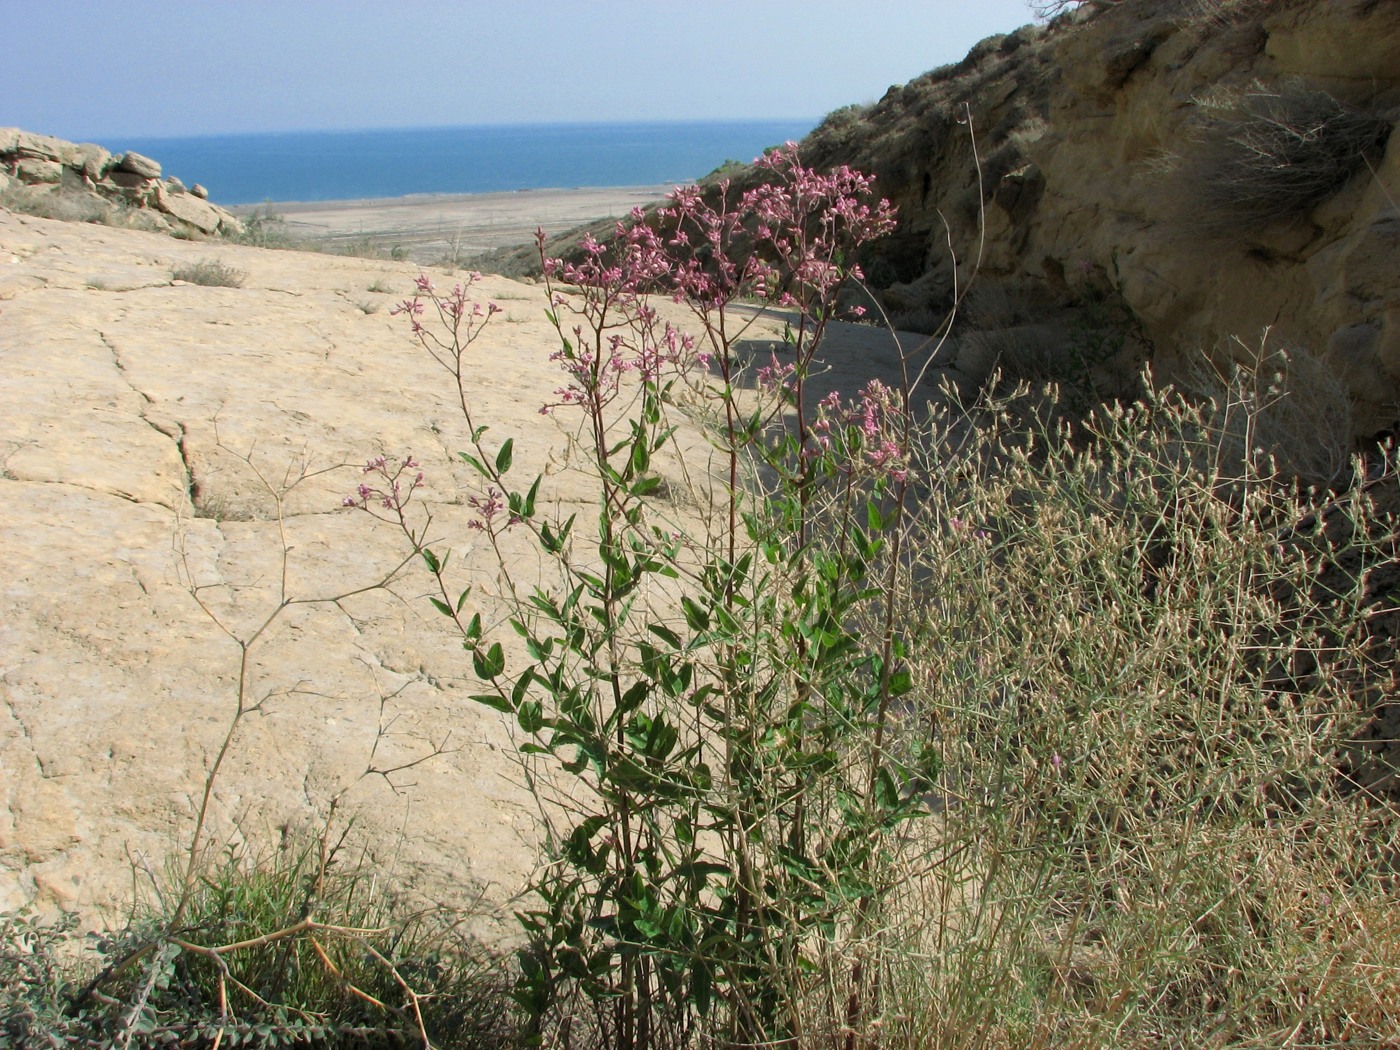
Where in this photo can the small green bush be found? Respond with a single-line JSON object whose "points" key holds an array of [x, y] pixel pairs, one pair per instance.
{"points": [[264, 228], [211, 273], [289, 950]]}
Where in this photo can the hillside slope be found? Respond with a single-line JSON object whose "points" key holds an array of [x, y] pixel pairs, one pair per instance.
{"points": [[1163, 179], [1223, 175]]}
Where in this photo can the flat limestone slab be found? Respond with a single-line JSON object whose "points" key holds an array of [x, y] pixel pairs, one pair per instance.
{"points": [[135, 413], [150, 432]]}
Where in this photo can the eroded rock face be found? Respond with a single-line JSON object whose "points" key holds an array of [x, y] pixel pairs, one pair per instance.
{"points": [[139, 164], [85, 176], [1107, 173]]}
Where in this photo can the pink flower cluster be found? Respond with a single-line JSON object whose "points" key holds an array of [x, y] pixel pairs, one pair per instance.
{"points": [[797, 224], [866, 435], [392, 492], [488, 508], [616, 331], [808, 220], [459, 317], [784, 241]]}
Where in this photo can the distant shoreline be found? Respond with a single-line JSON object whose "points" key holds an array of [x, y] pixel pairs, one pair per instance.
{"points": [[428, 227], [412, 199], [383, 164]]}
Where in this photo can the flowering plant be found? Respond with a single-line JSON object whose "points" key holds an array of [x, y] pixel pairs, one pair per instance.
{"points": [[722, 696]]}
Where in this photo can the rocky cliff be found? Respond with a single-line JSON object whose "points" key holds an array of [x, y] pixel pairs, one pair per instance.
{"points": [[1198, 183], [69, 180], [1157, 180]]}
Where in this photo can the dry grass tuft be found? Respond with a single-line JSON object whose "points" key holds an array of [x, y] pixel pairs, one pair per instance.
{"points": [[211, 273], [1269, 154]]}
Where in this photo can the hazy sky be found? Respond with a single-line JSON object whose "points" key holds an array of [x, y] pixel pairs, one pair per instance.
{"points": [[95, 69]]}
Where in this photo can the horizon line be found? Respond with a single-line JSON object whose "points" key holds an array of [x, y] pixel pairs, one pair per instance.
{"points": [[497, 125]]}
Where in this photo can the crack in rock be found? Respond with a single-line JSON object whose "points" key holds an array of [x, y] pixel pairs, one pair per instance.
{"points": [[174, 432], [24, 731]]}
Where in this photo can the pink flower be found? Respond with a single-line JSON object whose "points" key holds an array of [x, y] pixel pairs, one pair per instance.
{"points": [[488, 508], [389, 492]]}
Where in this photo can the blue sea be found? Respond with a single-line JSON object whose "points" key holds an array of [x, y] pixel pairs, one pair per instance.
{"points": [[398, 162]]}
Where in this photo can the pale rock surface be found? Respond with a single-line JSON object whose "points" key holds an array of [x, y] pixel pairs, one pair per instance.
{"points": [[188, 208], [139, 164], [128, 405]]}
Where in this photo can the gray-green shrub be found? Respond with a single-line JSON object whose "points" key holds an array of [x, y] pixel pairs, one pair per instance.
{"points": [[1271, 153], [211, 273]]}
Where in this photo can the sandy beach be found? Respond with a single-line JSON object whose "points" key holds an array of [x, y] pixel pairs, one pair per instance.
{"points": [[430, 228]]}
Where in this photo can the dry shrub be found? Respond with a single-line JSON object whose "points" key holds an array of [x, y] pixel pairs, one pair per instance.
{"points": [[47, 203], [1216, 14], [1207, 13], [1277, 411], [1141, 694], [1271, 153], [211, 273]]}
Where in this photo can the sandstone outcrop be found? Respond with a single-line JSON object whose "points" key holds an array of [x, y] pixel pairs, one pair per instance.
{"points": [[1158, 180], [128, 405], [82, 180]]}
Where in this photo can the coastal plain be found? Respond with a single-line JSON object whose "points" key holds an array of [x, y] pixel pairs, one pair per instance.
{"points": [[428, 228]]}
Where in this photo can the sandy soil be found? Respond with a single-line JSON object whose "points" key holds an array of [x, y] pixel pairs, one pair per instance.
{"points": [[429, 228]]}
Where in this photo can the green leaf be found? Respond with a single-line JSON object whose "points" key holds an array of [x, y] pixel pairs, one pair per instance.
{"points": [[665, 634], [441, 606], [552, 541], [504, 457], [494, 701], [641, 455], [434, 566], [475, 463], [531, 716], [695, 617], [577, 764], [489, 665], [633, 698], [873, 517], [463, 599], [522, 686], [660, 740], [887, 794], [901, 682]]}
